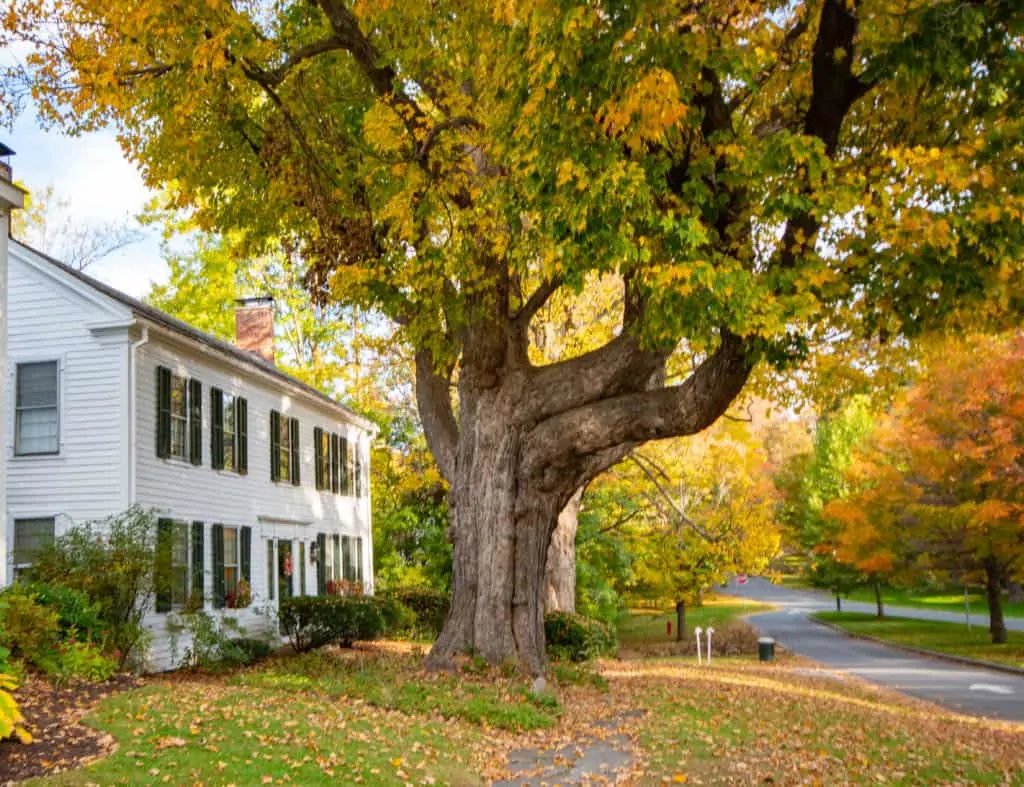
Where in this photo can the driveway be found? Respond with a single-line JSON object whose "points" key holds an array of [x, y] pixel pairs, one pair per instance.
{"points": [[975, 691]]}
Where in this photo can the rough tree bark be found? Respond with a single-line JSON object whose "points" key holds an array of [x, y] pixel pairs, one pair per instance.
{"points": [[994, 596], [561, 562]]}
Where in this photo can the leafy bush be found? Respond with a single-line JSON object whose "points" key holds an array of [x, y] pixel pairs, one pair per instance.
{"points": [[254, 649], [428, 609], [573, 637], [11, 720], [311, 621], [28, 628], [112, 562], [214, 640], [77, 616], [81, 661]]}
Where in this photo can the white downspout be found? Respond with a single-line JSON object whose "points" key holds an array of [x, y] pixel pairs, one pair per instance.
{"points": [[133, 459]]}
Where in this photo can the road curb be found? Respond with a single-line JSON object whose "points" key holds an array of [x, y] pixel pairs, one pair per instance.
{"points": [[990, 665]]}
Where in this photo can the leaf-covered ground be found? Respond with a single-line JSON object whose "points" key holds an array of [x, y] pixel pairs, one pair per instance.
{"points": [[372, 716], [953, 638]]}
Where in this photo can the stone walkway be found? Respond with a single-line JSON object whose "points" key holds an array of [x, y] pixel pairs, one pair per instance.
{"points": [[600, 758]]}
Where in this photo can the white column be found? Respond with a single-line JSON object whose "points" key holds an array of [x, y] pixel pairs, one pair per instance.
{"points": [[11, 198]]}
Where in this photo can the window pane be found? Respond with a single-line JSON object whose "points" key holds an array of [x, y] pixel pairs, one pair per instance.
{"points": [[178, 432], [30, 536], [230, 546], [302, 568], [37, 384], [284, 466], [36, 431], [337, 558], [179, 396], [229, 452]]}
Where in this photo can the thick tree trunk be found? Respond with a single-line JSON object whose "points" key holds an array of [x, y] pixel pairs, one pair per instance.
{"points": [[561, 563], [878, 600], [994, 593]]}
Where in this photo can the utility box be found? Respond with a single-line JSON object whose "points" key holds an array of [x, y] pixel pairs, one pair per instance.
{"points": [[766, 649]]}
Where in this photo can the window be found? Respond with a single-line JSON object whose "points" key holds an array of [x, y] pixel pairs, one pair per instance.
{"points": [[284, 448], [285, 568], [36, 421], [343, 466], [335, 464], [229, 442], [337, 558], [232, 566], [179, 416], [359, 469], [359, 559], [179, 565], [30, 537]]}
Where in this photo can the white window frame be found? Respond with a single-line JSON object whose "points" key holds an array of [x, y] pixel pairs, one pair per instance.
{"points": [[229, 407], [176, 526], [237, 556], [14, 431], [284, 449]]}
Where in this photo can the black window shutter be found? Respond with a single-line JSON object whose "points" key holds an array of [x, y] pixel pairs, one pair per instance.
{"points": [[241, 435], [318, 448], [321, 564], [359, 469], [195, 421], [163, 412], [217, 542], [198, 556], [245, 559], [335, 464], [163, 565], [275, 445], [216, 429], [343, 462], [293, 427]]}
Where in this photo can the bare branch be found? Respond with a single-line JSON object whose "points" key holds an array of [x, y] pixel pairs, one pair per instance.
{"points": [[329, 44]]}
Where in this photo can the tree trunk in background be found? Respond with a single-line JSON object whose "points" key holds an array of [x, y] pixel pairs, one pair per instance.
{"points": [[878, 600], [1015, 592], [994, 593], [680, 620], [561, 563], [839, 603]]}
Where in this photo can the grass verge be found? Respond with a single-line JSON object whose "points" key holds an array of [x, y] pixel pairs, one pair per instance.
{"points": [[747, 724], [952, 638], [643, 627]]}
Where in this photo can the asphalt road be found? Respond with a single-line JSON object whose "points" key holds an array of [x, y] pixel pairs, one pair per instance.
{"points": [[975, 691]]}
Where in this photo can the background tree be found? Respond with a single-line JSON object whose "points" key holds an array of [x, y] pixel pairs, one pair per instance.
{"points": [[942, 477], [761, 178], [48, 224]]}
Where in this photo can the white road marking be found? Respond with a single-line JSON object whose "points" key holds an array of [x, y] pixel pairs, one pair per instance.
{"points": [[991, 687]]}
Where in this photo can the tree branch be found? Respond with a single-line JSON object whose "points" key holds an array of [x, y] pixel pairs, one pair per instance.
{"points": [[646, 415], [536, 301], [674, 510], [329, 44], [434, 402]]}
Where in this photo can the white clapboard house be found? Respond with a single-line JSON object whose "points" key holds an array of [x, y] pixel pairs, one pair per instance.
{"points": [[256, 477]]}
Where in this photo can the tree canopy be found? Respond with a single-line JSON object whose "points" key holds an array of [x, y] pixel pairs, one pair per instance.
{"points": [[765, 179]]}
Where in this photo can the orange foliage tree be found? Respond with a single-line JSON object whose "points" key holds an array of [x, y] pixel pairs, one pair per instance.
{"points": [[941, 483]]}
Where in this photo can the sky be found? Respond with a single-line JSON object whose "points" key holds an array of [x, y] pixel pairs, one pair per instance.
{"points": [[100, 185]]}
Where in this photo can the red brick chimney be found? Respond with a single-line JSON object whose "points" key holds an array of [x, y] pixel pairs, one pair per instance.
{"points": [[254, 326]]}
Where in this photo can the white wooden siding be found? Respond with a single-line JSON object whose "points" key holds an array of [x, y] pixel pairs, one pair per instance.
{"points": [[48, 320]]}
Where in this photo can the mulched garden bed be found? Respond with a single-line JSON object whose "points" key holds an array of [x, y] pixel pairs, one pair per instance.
{"points": [[53, 716]]}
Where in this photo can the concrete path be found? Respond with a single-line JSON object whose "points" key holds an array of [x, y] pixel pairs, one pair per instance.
{"points": [[970, 690]]}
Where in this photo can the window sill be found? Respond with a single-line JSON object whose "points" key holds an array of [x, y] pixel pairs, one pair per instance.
{"points": [[37, 457]]}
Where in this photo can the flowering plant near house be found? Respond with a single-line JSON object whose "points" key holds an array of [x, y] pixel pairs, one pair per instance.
{"points": [[343, 587], [240, 597]]}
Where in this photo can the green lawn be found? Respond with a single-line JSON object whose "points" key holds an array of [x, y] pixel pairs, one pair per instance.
{"points": [[641, 627], [374, 717], [755, 725], [953, 638]]}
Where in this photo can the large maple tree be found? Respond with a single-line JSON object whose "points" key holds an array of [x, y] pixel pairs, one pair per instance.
{"points": [[762, 175]]}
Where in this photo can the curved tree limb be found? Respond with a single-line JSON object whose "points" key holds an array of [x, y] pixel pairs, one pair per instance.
{"points": [[434, 402]]}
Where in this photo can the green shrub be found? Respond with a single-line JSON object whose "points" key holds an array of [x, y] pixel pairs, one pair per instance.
{"points": [[77, 616], [82, 661], [311, 621], [428, 609], [213, 640], [254, 649], [28, 628], [112, 562], [573, 637]]}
